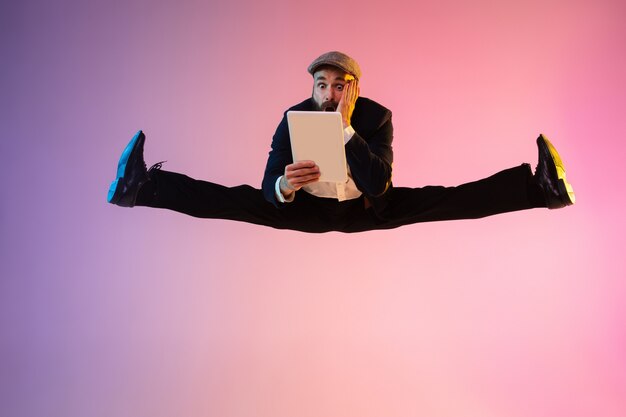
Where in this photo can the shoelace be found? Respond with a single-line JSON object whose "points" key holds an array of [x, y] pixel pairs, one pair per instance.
{"points": [[158, 165]]}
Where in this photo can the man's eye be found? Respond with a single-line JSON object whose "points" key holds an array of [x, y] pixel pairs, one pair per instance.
{"points": [[340, 87], [322, 86]]}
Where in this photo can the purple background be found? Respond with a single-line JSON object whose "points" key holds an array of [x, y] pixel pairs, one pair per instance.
{"points": [[114, 312]]}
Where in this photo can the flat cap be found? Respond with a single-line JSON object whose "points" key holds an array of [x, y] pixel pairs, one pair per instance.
{"points": [[339, 60]]}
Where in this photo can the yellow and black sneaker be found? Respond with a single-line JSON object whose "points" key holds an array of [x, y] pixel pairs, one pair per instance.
{"points": [[550, 176]]}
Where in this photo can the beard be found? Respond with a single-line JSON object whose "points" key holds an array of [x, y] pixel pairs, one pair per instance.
{"points": [[325, 106]]}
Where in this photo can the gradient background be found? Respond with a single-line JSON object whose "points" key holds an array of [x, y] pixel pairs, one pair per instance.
{"points": [[115, 312]]}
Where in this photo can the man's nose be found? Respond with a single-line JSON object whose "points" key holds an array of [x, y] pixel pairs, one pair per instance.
{"points": [[330, 95]]}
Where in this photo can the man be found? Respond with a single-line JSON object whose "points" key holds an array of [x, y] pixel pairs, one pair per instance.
{"points": [[292, 197]]}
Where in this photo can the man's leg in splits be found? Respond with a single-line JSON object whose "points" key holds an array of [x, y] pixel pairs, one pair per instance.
{"points": [[506, 191], [137, 186]]}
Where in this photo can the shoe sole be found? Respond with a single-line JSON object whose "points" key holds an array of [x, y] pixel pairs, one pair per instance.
{"points": [[115, 190], [565, 188]]}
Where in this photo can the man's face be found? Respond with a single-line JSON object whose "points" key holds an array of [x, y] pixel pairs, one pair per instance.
{"points": [[328, 86]]}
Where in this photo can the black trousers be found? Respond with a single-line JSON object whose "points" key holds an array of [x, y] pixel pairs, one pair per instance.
{"points": [[506, 191]]}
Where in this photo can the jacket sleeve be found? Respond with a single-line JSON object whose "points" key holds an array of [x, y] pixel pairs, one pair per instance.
{"points": [[279, 157], [370, 157]]}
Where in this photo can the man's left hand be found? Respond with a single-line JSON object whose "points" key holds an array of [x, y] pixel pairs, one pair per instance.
{"points": [[348, 100]]}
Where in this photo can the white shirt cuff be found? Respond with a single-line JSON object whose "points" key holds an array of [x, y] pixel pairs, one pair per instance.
{"points": [[348, 132], [279, 196]]}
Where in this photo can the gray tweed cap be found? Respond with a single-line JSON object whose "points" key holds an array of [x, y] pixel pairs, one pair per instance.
{"points": [[336, 59]]}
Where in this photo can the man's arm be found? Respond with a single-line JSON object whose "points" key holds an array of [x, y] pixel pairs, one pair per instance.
{"points": [[370, 160], [281, 174], [279, 157], [369, 156]]}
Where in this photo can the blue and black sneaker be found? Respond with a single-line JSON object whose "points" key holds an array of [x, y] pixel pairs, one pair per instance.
{"points": [[131, 174]]}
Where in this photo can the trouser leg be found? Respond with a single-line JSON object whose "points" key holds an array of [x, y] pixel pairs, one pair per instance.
{"points": [[506, 191], [178, 192]]}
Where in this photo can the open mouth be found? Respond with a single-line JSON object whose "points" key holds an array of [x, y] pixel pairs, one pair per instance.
{"points": [[329, 107]]}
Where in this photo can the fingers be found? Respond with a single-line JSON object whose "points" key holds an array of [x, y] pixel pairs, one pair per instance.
{"points": [[299, 165], [348, 92], [348, 101], [352, 91], [299, 182], [301, 173]]}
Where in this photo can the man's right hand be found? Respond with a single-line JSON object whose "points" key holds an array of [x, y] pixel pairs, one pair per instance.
{"points": [[297, 175]]}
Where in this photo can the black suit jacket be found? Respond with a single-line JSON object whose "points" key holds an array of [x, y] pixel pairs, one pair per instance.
{"points": [[368, 153]]}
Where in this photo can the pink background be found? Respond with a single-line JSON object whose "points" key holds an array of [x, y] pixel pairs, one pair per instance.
{"points": [[107, 311]]}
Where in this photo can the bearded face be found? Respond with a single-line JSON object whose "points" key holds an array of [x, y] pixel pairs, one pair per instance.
{"points": [[328, 85]]}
